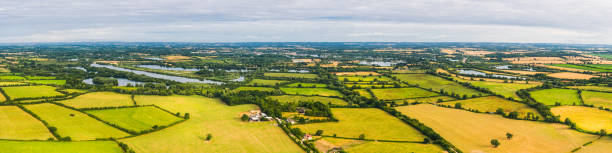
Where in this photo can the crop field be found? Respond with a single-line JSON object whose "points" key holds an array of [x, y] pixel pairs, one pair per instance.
{"points": [[99, 99], [601, 66], [356, 73], [19, 125], [13, 78], [472, 132], [524, 72], [358, 146], [312, 91], [12, 83], [59, 146], [492, 103], [136, 118], [262, 82], [425, 100], [582, 67], [292, 75], [74, 124], [367, 85], [54, 82], [74, 90], [408, 71], [437, 83], [401, 93], [365, 78], [504, 89], [571, 75], [210, 116], [364, 93], [295, 99], [587, 118], [602, 145], [597, 99], [40, 77], [552, 96], [253, 89], [373, 123], [596, 88], [308, 85], [30, 92]]}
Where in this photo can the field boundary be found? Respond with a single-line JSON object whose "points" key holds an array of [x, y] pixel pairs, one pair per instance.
{"points": [[51, 130]]}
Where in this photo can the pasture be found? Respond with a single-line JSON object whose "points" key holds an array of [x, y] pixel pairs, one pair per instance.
{"points": [[312, 91], [586, 118], [74, 90], [136, 118], [99, 99], [553, 96], [19, 125], [292, 75], [597, 99], [74, 124], [408, 71], [505, 89], [571, 75], [472, 132], [401, 93], [582, 67], [50, 82], [40, 77], [265, 89], [210, 116], [364, 79], [11, 78], [59, 146], [358, 146], [262, 82], [307, 85], [492, 103], [436, 83], [374, 123], [30, 92], [364, 93], [595, 88], [426, 99], [296, 99]]}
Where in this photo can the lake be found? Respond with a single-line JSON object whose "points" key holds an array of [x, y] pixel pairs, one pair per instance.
{"points": [[159, 76]]}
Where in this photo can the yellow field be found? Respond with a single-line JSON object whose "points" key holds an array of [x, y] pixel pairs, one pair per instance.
{"points": [[492, 103], [587, 118], [596, 88], [597, 99], [356, 73], [472, 132], [99, 99], [525, 72], [570, 75], [19, 125], [214, 117], [374, 123], [359, 146], [603, 145]]}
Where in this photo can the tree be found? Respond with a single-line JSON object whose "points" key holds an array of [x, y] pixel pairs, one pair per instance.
{"points": [[495, 142], [362, 137], [244, 117], [319, 132], [208, 137], [426, 140], [458, 105], [509, 135], [603, 132], [186, 115]]}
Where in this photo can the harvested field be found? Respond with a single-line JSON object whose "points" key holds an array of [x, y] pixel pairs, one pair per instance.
{"points": [[602, 145], [30, 92], [401, 93], [295, 99], [19, 125], [59, 146], [587, 118], [597, 99], [99, 99], [525, 72], [492, 103], [358, 146]]}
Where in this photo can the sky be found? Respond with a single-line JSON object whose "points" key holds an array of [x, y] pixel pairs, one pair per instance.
{"points": [[523, 21]]}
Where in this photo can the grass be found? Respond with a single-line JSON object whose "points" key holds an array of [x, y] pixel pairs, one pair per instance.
{"points": [[60, 146], [11, 77], [74, 90], [76, 125], [552, 96], [99, 99], [582, 67], [136, 118], [425, 100], [40, 77], [267, 89], [262, 82], [312, 91], [30, 92], [596, 88], [358, 146], [53, 82], [373, 85], [401, 93], [598, 146], [365, 78], [19, 125], [210, 116], [472, 132], [601, 66], [507, 90], [292, 75], [409, 71], [295, 99], [597, 99], [492, 103], [586, 118], [12, 83], [308, 85], [364, 93], [374, 123], [437, 83]]}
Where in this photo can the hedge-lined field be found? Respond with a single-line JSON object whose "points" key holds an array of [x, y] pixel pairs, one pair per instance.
{"points": [[364, 93], [553, 96], [307, 85], [136, 118], [586, 118], [30, 92], [597, 99], [504, 89], [312, 91], [262, 82], [292, 75], [19, 125], [296, 98], [99, 99], [59, 146], [596, 88], [267, 89], [401, 93], [492, 103], [54, 82], [425, 100], [436, 83], [358, 146]]}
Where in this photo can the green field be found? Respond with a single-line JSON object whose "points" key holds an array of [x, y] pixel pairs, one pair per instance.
{"points": [[595, 88], [53, 82], [262, 82], [552, 96], [379, 78], [361, 86], [266, 89], [308, 85], [40, 77], [12, 83], [425, 100], [59, 146], [31, 92], [505, 89], [401, 93], [292, 75], [374, 123], [214, 117], [608, 56], [76, 125], [582, 67], [364, 93], [10, 77], [358, 146], [136, 118], [295, 99], [312, 91], [597, 99], [99, 99], [74, 90], [436, 83], [472, 132], [587, 118], [19, 125], [492, 103]]}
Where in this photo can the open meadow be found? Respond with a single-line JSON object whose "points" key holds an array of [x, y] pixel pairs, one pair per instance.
{"points": [[262, 82], [312, 91], [364, 79], [364, 93], [597, 99], [59, 146], [594, 88], [492, 103], [586, 118], [359, 146], [472, 132], [19, 125], [307, 85], [136, 118], [374, 123], [426, 99], [436, 83], [30, 92], [296, 99], [266, 89], [51, 82], [553, 96], [401, 93], [292, 75], [99, 99], [505, 89], [210, 116]]}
